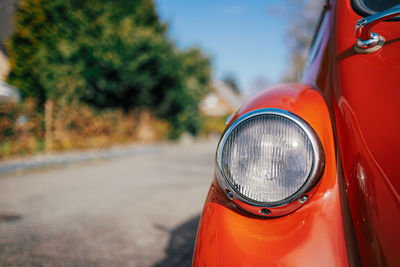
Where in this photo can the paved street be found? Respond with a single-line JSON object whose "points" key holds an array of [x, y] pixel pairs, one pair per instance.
{"points": [[138, 209]]}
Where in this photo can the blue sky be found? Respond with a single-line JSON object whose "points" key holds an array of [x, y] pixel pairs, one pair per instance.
{"points": [[243, 37]]}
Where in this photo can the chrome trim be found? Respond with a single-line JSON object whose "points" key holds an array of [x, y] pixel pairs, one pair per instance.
{"points": [[228, 120], [363, 10], [367, 40], [311, 181], [371, 45]]}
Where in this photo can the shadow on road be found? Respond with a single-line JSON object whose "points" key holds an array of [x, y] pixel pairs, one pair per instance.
{"points": [[181, 245], [9, 217]]}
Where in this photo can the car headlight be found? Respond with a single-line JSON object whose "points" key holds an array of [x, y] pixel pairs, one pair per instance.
{"points": [[268, 159]]}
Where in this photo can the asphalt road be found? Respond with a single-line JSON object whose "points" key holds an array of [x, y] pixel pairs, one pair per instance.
{"points": [[139, 209]]}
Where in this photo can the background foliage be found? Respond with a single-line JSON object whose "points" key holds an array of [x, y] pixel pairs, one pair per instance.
{"points": [[107, 54], [304, 16]]}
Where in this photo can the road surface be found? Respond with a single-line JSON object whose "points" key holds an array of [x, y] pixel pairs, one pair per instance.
{"points": [[140, 209]]}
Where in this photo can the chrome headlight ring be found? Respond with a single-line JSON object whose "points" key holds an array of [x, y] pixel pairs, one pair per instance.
{"points": [[289, 203]]}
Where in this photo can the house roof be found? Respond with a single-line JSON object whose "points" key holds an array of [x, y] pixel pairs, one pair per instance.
{"points": [[229, 96]]}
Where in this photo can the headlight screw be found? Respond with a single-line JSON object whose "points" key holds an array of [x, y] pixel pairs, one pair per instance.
{"points": [[229, 194], [303, 199], [265, 211]]}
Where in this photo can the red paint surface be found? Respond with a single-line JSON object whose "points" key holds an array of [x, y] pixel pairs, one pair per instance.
{"points": [[366, 104], [311, 236], [362, 93]]}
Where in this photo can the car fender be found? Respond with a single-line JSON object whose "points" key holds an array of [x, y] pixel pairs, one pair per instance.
{"points": [[310, 236]]}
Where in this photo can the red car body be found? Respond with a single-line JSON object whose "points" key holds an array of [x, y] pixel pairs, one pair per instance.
{"points": [[351, 100]]}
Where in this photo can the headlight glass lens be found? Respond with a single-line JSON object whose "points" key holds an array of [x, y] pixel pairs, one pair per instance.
{"points": [[267, 158]]}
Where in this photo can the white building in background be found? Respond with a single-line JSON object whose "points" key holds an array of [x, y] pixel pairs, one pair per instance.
{"points": [[4, 66], [7, 8], [221, 101]]}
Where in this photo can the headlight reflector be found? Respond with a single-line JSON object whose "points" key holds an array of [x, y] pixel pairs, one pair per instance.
{"points": [[269, 157]]}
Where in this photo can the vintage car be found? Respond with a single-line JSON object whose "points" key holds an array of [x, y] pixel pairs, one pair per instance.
{"points": [[308, 174]]}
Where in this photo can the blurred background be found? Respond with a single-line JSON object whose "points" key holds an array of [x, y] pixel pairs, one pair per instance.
{"points": [[110, 112]]}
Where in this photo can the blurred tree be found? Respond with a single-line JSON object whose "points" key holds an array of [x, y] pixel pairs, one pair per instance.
{"points": [[66, 34], [181, 106], [109, 53], [230, 79], [303, 17]]}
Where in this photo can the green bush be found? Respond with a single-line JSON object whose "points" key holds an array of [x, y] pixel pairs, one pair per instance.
{"points": [[109, 54]]}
